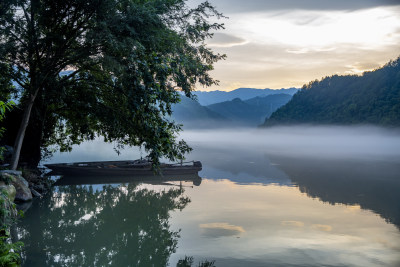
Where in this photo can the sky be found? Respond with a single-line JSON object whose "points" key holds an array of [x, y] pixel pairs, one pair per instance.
{"points": [[288, 43]]}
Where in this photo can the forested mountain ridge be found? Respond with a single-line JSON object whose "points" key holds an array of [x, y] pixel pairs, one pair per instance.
{"points": [[191, 114], [250, 112], [372, 98], [232, 113], [213, 97]]}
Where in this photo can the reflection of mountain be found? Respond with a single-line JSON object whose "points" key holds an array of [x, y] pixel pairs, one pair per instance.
{"points": [[372, 185], [118, 226], [244, 166]]}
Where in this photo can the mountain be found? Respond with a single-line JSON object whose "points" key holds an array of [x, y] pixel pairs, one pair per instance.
{"points": [[372, 98], [212, 97], [232, 113], [193, 115], [251, 112]]}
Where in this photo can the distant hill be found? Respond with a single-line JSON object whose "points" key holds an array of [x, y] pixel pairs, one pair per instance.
{"points": [[236, 112], [212, 97], [193, 115], [372, 98], [251, 112]]}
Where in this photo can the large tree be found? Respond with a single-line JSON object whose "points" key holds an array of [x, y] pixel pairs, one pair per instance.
{"points": [[111, 68]]}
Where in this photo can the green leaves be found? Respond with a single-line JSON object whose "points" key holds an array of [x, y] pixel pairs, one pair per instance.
{"points": [[9, 253], [4, 107], [109, 68]]}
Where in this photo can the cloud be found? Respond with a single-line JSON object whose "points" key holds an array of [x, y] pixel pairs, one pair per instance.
{"points": [[275, 66], [225, 40], [322, 227], [292, 223], [281, 44], [238, 6]]}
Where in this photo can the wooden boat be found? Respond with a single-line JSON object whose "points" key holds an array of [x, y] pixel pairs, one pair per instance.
{"points": [[123, 168]]}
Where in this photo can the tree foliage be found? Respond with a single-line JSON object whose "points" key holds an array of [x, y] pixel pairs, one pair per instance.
{"points": [[372, 98], [107, 68], [4, 107]]}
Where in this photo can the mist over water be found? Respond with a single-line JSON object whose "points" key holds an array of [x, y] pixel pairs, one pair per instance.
{"points": [[322, 142]]}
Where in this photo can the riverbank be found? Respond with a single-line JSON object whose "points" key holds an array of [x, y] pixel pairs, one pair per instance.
{"points": [[27, 184], [17, 190]]}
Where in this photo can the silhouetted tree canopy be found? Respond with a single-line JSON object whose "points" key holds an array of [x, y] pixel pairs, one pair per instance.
{"points": [[111, 68]]}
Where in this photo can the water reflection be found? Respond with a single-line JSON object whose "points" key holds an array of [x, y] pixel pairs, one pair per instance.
{"points": [[371, 185], [123, 225], [337, 176], [282, 197], [272, 225]]}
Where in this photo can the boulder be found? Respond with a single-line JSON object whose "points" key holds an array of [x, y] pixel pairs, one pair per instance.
{"points": [[21, 185], [9, 190], [7, 176], [11, 172]]}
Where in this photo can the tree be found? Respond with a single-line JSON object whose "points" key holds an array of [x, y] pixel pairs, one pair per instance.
{"points": [[113, 68]]}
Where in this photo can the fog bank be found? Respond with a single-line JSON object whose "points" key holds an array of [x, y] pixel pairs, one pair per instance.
{"points": [[322, 142]]}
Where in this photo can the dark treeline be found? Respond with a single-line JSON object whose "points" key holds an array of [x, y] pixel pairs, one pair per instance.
{"points": [[372, 98]]}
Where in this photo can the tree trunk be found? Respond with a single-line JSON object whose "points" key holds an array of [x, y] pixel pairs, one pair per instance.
{"points": [[21, 132]]}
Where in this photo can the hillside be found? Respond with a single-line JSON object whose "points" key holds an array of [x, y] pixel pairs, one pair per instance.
{"points": [[213, 97], [372, 98], [251, 112], [193, 115]]}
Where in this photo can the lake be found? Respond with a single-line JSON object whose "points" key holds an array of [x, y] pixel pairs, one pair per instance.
{"points": [[289, 196]]}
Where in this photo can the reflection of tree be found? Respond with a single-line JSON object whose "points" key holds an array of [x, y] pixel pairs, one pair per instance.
{"points": [[118, 226]]}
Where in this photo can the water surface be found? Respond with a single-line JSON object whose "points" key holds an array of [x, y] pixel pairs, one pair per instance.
{"points": [[283, 197]]}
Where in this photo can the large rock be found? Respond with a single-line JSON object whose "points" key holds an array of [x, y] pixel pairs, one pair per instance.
{"points": [[9, 190], [11, 172], [21, 185]]}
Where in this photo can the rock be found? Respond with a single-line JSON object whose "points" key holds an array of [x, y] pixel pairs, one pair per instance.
{"points": [[23, 192], [11, 172], [35, 193], [21, 185], [6, 177], [9, 190]]}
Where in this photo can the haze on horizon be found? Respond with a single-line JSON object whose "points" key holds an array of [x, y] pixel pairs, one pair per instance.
{"points": [[288, 43]]}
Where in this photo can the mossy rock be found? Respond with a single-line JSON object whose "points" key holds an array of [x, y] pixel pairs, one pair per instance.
{"points": [[23, 193], [8, 190]]}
